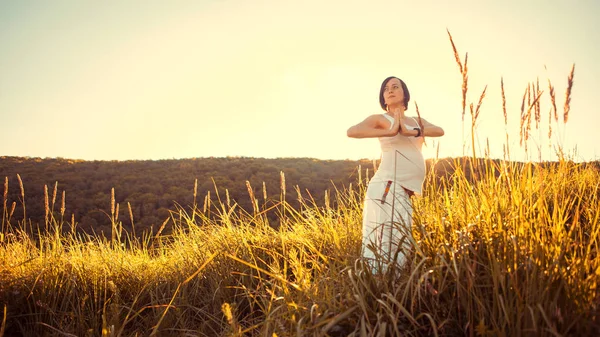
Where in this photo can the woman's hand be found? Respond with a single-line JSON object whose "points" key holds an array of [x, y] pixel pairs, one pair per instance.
{"points": [[397, 125], [408, 132]]}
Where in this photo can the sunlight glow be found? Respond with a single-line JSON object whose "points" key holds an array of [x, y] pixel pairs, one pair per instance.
{"points": [[281, 79]]}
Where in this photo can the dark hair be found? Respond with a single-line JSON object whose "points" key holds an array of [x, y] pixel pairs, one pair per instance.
{"points": [[404, 90]]}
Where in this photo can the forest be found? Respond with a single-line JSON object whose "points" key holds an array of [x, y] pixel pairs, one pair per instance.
{"points": [[151, 188], [147, 191]]}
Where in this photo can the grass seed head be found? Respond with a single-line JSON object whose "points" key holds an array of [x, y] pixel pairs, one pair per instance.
{"points": [[567, 107], [503, 102]]}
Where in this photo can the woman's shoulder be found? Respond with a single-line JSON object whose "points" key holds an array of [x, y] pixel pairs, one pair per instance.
{"points": [[418, 119], [380, 118]]}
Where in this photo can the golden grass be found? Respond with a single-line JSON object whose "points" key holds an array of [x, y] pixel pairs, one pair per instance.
{"points": [[500, 249], [513, 253], [567, 107]]}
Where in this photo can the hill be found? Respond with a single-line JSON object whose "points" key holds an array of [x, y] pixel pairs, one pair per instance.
{"points": [[152, 188]]}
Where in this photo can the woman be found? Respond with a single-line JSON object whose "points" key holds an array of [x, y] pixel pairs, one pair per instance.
{"points": [[387, 213]]}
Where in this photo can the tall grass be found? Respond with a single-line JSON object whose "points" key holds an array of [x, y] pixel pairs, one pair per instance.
{"points": [[501, 249]]}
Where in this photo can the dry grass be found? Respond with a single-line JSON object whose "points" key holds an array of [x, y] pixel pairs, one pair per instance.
{"points": [[567, 107], [508, 255], [513, 252]]}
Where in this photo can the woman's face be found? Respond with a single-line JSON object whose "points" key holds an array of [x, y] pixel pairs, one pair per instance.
{"points": [[393, 93]]}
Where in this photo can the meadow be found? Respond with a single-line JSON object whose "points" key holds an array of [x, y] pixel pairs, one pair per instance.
{"points": [[499, 249]]}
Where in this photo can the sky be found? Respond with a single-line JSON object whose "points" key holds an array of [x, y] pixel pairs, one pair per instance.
{"points": [[138, 80]]}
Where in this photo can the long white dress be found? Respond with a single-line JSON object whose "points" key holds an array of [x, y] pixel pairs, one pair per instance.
{"points": [[387, 210]]}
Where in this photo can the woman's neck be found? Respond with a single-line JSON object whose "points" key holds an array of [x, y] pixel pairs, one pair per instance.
{"points": [[393, 108]]}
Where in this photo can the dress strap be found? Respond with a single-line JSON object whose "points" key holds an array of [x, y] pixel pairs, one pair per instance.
{"points": [[390, 118], [417, 123]]}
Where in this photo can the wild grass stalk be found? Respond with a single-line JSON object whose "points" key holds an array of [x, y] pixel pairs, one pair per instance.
{"points": [[567, 107], [5, 217], [22, 198], [465, 82]]}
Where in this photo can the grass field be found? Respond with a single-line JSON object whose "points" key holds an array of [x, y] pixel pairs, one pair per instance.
{"points": [[501, 249]]}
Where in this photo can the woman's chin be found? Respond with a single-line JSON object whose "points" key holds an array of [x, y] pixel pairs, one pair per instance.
{"points": [[395, 105]]}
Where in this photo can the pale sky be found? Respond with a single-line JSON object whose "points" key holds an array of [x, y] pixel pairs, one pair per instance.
{"points": [[120, 80]]}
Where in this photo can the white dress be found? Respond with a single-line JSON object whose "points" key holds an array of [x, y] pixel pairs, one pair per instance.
{"points": [[387, 212]]}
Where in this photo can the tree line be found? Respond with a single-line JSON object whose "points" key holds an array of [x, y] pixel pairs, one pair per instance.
{"points": [[152, 188]]}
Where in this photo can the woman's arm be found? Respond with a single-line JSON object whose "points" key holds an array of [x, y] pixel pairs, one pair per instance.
{"points": [[372, 127], [430, 130]]}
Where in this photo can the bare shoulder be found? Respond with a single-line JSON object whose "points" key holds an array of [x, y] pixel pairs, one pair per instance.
{"points": [[422, 120], [377, 121], [377, 117]]}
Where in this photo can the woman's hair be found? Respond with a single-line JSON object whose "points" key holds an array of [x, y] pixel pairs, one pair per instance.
{"points": [[404, 90]]}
